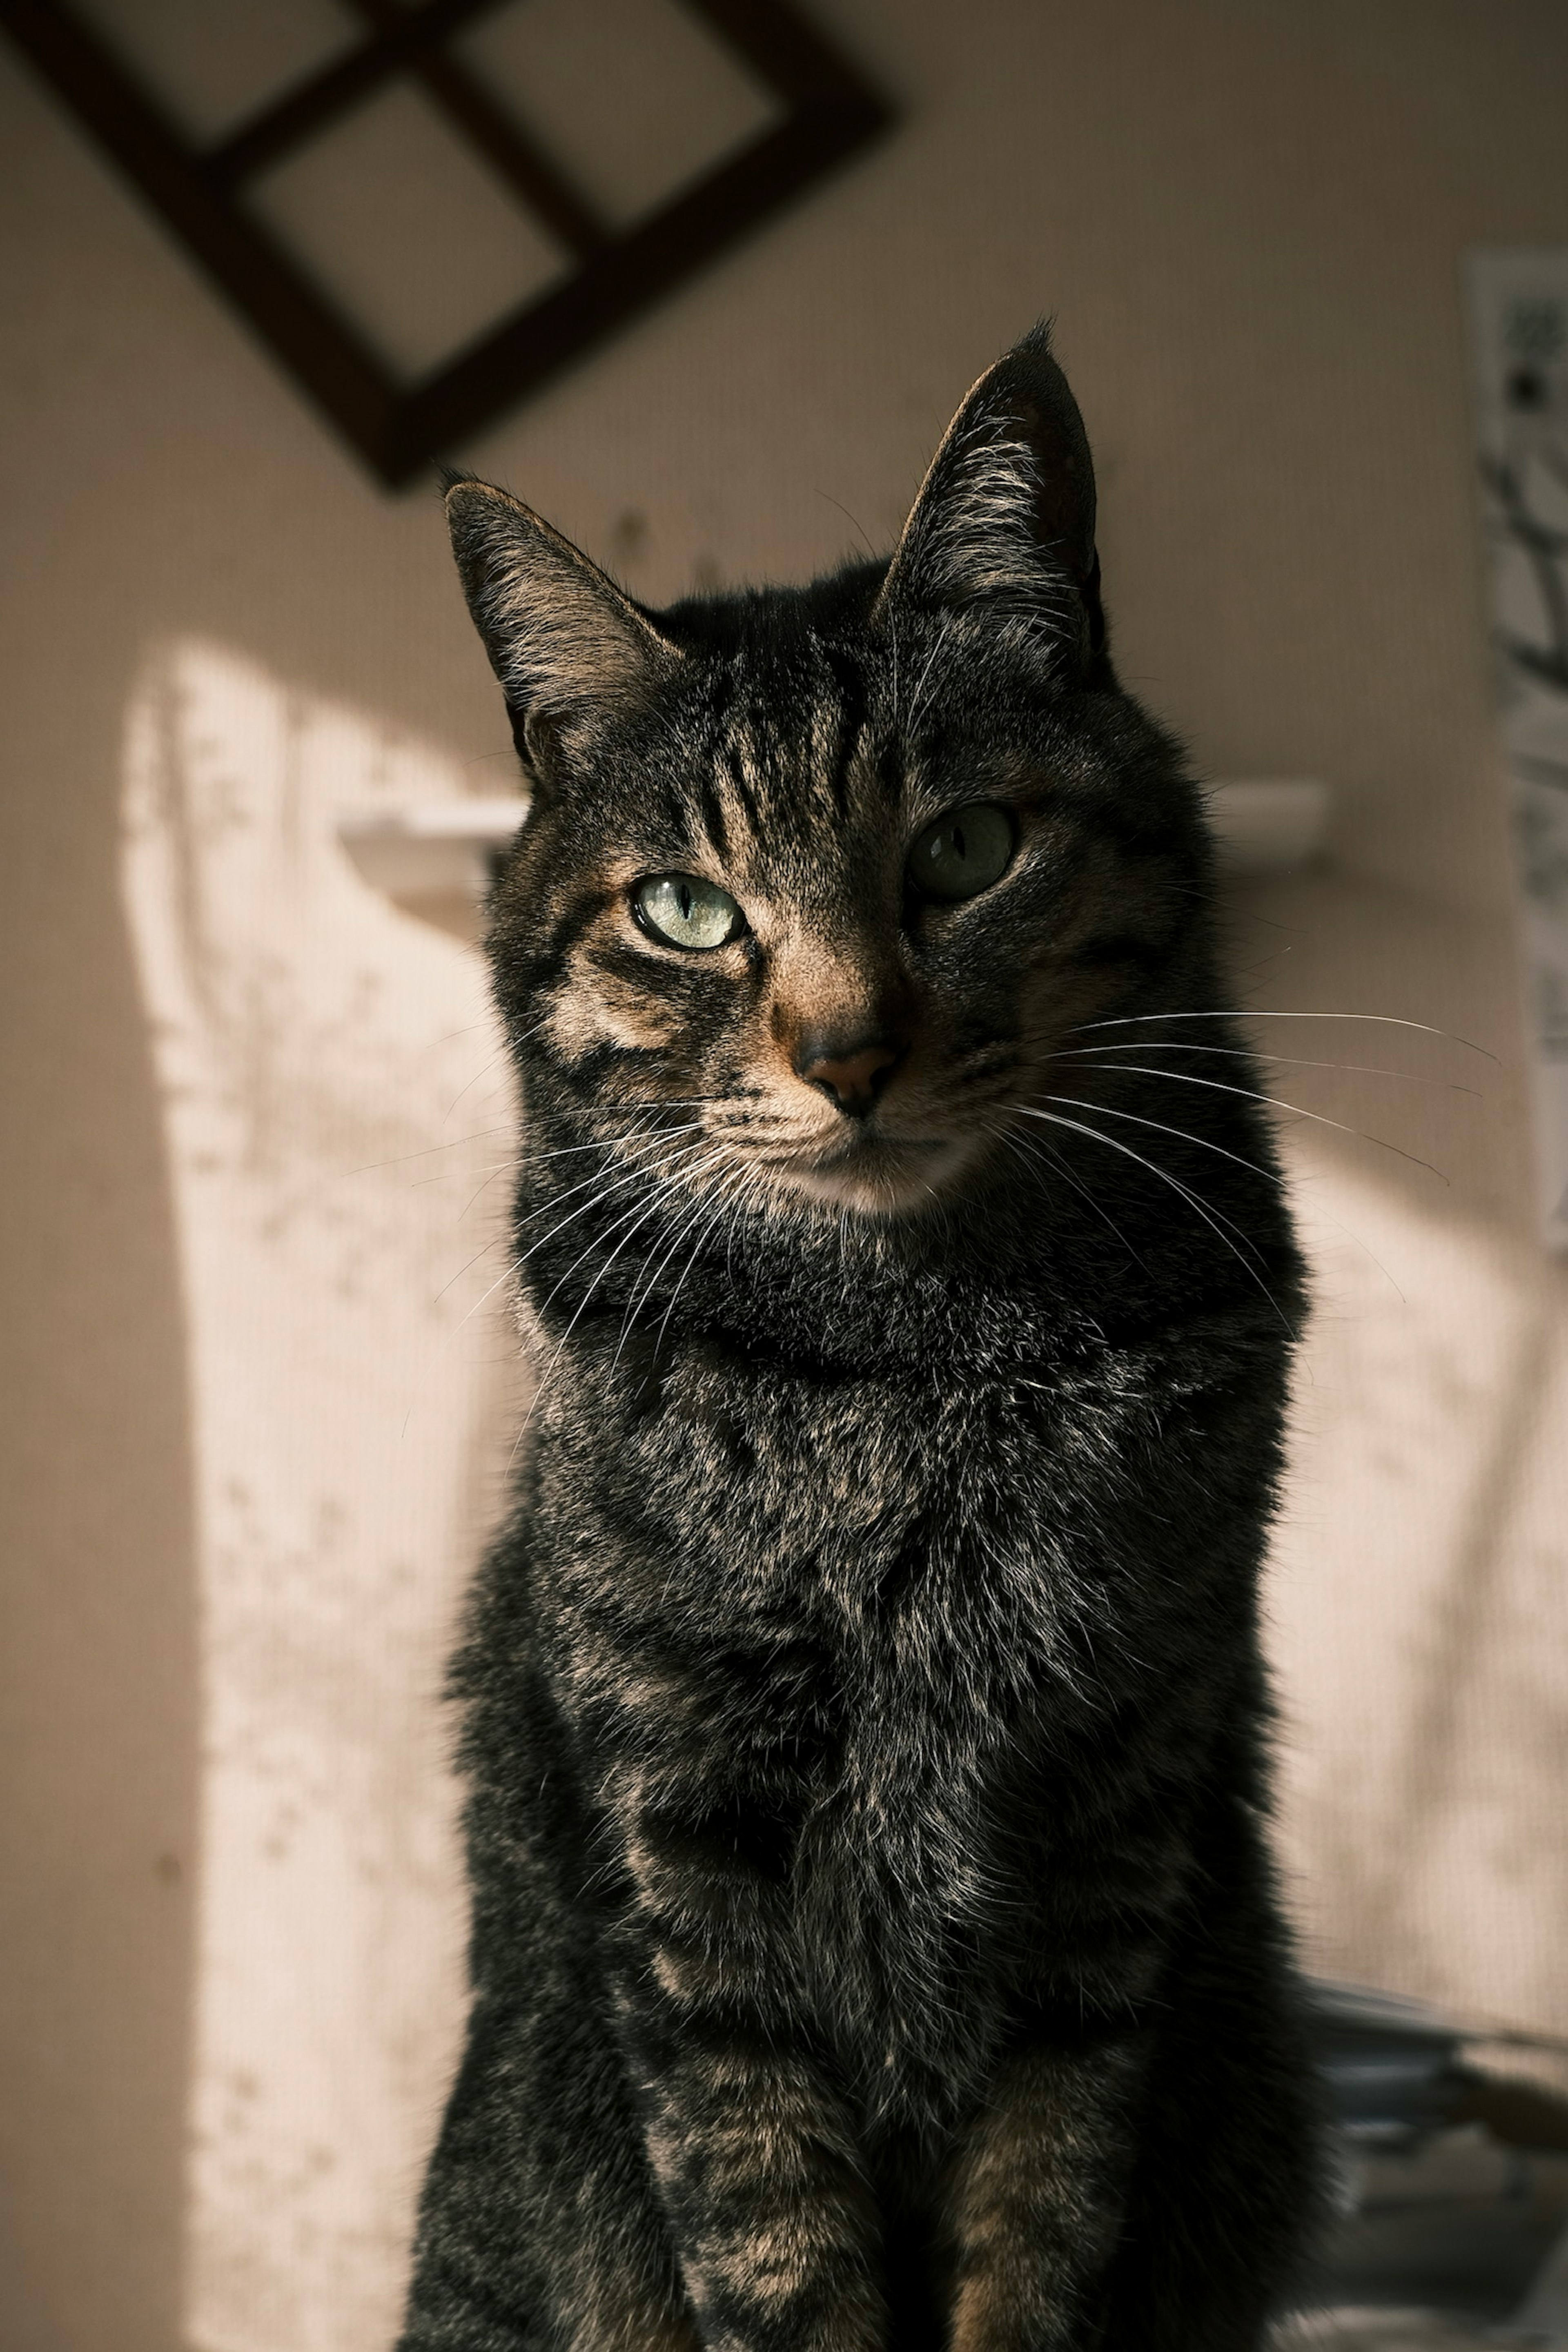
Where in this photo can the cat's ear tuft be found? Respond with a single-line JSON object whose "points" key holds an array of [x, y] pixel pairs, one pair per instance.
{"points": [[567, 645], [1005, 514]]}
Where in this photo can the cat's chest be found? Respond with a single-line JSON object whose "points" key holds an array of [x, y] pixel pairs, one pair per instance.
{"points": [[842, 1618], [857, 1571], [842, 1481]]}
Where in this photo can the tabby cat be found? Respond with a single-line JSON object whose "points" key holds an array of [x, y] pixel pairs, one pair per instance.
{"points": [[874, 1942]]}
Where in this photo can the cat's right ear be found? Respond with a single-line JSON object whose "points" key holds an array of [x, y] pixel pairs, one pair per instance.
{"points": [[567, 645], [1005, 518]]}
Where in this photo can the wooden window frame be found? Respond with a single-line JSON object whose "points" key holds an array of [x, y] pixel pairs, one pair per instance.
{"points": [[829, 111]]}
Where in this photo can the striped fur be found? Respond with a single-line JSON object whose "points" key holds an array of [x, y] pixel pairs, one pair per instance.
{"points": [[873, 1944]]}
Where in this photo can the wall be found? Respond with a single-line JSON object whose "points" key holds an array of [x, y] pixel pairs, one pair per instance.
{"points": [[1247, 220]]}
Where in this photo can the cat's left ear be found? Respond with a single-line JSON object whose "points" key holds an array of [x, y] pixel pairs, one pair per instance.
{"points": [[1005, 514], [567, 645]]}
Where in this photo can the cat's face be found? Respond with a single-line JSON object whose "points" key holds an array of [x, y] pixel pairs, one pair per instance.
{"points": [[817, 884], [841, 958]]}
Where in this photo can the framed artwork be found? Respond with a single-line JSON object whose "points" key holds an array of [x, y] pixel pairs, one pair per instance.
{"points": [[1519, 311], [574, 252]]}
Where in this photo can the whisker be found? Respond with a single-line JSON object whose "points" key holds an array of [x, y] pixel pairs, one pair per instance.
{"points": [[1253, 1054], [1053, 1159], [755, 1186], [501, 1054], [668, 1102], [482, 1071], [707, 1218], [1179, 1132], [1192, 1199], [465, 1030], [685, 1271], [537, 1159], [606, 1193], [1205, 1145], [506, 1168], [638, 1167], [632, 1175], [664, 1185], [463, 1269], [504, 1275], [642, 1289], [634, 1216], [515, 1265], [602, 1142], [372, 1166], [637, 1219], [1250, 1093], [451, 1175], [1056, 1160], [1389, 1020]]}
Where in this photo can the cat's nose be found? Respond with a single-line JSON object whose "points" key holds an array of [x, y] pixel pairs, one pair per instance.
{"points": [[850, 1076]]}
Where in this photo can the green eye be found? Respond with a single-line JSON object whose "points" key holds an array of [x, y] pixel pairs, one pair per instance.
{"points": [[685, 911], [963, 852]]}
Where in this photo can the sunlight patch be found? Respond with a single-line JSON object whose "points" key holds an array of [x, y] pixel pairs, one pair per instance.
{"points": [[326, 1067]]}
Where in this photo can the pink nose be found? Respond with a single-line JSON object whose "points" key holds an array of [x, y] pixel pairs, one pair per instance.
{"points": [[854, 1078]]}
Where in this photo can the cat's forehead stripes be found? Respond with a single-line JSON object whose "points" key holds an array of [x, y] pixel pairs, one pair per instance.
{"points": [[780, 754]]}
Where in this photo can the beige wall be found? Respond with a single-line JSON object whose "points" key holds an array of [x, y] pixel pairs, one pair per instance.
{"points": [[1247, 219]]}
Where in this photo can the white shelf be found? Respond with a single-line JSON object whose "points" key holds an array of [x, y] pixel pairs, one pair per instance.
{"points": [[437, 849]]}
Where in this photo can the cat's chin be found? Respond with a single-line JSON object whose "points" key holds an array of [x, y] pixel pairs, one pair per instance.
{"points": [[883, 1176]]}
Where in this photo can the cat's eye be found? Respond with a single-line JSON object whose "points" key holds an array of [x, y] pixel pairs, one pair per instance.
{"points": [[685, 911], [963, 852]]}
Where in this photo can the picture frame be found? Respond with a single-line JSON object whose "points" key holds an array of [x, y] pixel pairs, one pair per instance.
{"points": [[829, 112]]}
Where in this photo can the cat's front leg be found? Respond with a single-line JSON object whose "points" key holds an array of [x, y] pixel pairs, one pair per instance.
{"points": [[775, 2228], [1036, 2197], [752, 2141]]}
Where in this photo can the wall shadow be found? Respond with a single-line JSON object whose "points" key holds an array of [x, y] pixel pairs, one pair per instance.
{"points": [[99, 1733]]}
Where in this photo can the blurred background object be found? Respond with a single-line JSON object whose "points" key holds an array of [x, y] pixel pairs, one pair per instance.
{"points": [[260, 1406], [1519, 313], [1453, 2225]]}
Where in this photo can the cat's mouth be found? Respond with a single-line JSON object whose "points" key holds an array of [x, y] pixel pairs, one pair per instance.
{"points": [[880, 1175]]}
